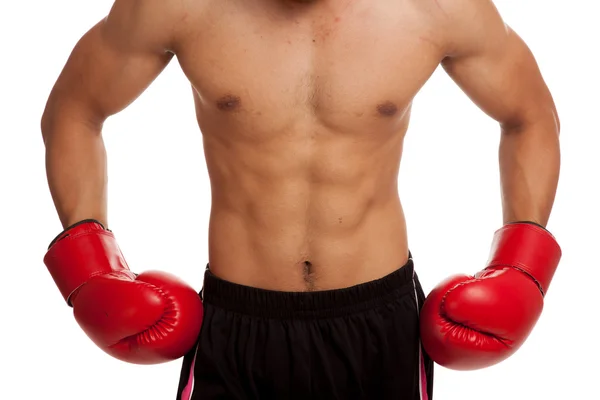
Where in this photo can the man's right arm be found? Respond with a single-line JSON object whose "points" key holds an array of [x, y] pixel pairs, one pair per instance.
{"points": [[122, 312], [112, 64]]}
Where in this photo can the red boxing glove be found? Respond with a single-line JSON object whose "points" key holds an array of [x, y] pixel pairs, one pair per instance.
{"points": [[472, 322], [144, 319]]}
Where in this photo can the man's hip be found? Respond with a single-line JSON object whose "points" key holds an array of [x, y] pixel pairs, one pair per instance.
{"points": [[360, 342]]}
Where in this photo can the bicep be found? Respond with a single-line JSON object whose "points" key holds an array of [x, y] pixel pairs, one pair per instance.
{"points": [[497, 70], [108, 69]]}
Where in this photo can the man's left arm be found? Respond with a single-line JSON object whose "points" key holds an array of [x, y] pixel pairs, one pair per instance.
{"points": [[496, 69], [475, 321]]}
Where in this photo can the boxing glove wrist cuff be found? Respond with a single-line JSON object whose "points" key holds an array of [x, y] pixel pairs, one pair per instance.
{"points": [[529, 248], [68, 230], [528, 222], [79, 253]]}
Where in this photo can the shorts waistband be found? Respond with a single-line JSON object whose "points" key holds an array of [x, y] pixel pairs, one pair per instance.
{"points": [[319, 304]]}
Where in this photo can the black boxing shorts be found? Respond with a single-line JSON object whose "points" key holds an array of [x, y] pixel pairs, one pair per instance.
{"points": [[360, 342]]}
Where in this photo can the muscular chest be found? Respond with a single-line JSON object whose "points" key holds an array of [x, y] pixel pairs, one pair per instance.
{"points": [[346, 66]]}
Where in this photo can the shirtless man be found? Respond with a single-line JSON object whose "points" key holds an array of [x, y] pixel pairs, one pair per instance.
{"points": [[303, 106]]}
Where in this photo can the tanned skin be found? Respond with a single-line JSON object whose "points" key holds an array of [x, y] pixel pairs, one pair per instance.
{"points": [[303, 107]]}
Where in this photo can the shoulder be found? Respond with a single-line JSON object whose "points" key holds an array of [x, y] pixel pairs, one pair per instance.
{"points": [[146, 22], [469, 25]]}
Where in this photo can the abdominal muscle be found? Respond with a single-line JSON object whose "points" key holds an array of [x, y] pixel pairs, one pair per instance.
{"points": [[308, 213]]}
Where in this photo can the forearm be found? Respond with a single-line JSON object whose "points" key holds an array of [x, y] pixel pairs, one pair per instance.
{"points": [[75, 168], [529, 170]]}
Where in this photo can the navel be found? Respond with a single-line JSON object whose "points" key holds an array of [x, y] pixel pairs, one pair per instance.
{"points": [[308, 276], [307, 268]]}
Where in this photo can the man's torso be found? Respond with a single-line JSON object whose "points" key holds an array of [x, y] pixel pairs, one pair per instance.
{"points": [[303, 108]]}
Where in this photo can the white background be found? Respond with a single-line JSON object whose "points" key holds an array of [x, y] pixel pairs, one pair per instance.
{"points": [[159, 203]]}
